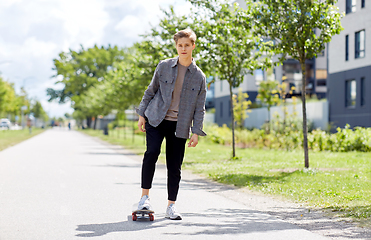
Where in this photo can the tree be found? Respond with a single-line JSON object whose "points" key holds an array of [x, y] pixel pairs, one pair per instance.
{"points": [[68, 116], [268, 95], [285, 91], [8, 97], [10, 101], [299, 29], [231, 47], [127, 81], [94, 101], [241, 106], [82, 70], [38, 111], [3, 95], [158, 43], [79, 117]]}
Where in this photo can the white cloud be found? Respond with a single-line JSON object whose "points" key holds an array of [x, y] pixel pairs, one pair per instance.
{"points": [[129, 26], [7, 3], [33, 33]]}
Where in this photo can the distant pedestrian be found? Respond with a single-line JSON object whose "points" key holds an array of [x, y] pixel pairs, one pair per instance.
{"points": [[174, 100], [69, 125], [29, 125]]}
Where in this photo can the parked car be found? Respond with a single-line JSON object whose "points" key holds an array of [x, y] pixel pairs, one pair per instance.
{"points": [[5, 123]]}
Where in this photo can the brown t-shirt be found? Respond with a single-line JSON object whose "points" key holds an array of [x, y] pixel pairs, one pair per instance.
{"points": [[172, 113]]}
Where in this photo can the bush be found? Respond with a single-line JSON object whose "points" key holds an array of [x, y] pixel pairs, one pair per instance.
{"points": [[291, 137]]}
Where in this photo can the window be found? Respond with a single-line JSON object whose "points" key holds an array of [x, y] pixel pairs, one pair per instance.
{"points": [[321, 82], [363, 3], [350, 93], [346, 47], [363, 91], [360, 44], [350, 6]]}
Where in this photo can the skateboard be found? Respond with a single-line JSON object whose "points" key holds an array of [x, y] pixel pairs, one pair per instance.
{"points": [[141, 214]]}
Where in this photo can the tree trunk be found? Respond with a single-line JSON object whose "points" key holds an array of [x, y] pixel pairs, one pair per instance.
{"points": [[305, 128], [88, 122], [232, 113], [95, 122]]}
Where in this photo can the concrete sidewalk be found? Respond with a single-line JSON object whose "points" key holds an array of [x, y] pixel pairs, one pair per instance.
{"points": [[64, 185]]}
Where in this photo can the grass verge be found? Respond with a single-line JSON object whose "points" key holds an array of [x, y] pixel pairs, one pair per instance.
{"points": [[338, 183], [9, 138]]}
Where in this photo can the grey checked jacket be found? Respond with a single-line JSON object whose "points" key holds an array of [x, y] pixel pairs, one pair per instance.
{"points": [[157, 98]]}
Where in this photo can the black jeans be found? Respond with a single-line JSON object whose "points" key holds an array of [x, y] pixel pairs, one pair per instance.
{"points": [[175, 148]]}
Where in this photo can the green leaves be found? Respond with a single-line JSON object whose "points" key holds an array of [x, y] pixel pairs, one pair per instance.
{"points": [[83, 75], [268, 93], [82, 70], [241, 106], [301, 28], [229, 41], [38, 111], [10, 101]]}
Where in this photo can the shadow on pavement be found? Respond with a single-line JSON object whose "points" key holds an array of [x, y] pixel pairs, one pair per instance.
{"points": [[234, 180], [210, 222], [315, 220], [111, 153], [205, 185], [95, 230], [120, 165], [138, 165]]}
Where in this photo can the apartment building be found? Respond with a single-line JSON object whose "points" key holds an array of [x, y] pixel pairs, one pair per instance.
{"points": [[350, 67]]}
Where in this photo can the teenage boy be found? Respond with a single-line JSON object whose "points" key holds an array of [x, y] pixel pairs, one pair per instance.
{"points": [[174, 100]]}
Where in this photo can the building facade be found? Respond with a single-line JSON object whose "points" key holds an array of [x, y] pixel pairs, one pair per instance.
{"points": [[349, 69]]}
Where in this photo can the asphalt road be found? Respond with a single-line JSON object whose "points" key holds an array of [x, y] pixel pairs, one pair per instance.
{"points": [[64, 185]]}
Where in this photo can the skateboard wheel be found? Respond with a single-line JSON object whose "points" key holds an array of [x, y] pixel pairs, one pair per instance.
{"points": [[151, 217], [134, 217]]}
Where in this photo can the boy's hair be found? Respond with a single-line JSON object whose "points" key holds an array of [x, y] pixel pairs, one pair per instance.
{"points": [[185, 33]]}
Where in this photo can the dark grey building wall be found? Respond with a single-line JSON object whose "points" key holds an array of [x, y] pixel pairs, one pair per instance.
{"points": [[223, 108], [340, 114]]}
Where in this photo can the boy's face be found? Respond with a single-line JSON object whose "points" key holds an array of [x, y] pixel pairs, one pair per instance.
{"points": [[185, 47]]}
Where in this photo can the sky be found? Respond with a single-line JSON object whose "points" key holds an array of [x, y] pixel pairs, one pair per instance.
{"points": [[34, 32]]}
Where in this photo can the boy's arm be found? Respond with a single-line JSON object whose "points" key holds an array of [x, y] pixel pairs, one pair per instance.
{"points": [[199, 114], [150, 92]]}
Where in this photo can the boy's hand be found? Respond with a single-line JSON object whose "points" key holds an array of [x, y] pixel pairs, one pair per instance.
{"points": [[142, 124], [193, 141]]}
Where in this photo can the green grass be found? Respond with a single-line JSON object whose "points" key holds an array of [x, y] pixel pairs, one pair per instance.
{"points": [[337, 182], [121, 137], [11, 137]]}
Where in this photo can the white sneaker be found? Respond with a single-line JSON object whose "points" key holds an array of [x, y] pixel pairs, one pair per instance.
{"points": [[172, 213], [144, 203]]}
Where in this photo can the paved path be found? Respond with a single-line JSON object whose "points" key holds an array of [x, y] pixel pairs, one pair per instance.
{"points": [[64, 185]]}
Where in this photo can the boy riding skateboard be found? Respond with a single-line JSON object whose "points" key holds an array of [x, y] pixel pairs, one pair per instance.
{"points": [[173, 107]]}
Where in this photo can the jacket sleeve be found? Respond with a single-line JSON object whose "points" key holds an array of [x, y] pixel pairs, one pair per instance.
{"points": [[150, 92], [198, 117]]}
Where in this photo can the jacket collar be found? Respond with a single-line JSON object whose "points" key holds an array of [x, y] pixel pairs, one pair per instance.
{"points": [[191, 67]]}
